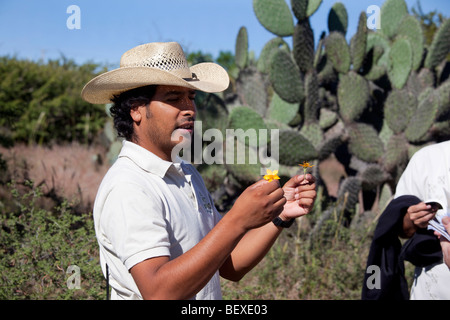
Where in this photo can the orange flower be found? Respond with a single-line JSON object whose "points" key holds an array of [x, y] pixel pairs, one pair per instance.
{"points": [[305, 166], [271, 175]]}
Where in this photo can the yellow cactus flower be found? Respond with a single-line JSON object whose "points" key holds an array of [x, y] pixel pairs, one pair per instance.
{"points": [[305, 166], [271, 175]]}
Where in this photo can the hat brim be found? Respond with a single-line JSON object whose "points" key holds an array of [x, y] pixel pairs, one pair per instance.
{"points": [[210, 77]]}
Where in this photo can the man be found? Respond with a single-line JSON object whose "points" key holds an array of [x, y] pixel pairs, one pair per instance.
{"points": [[427, 177], [445, 244], [158, 230]]}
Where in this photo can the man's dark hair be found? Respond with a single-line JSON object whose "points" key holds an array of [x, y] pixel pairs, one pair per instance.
{"points": [[122, 105]]}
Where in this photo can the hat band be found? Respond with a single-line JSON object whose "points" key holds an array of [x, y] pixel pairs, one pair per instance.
{"points": [[193, 78]]}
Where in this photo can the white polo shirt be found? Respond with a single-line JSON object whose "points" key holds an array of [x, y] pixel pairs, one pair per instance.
{"points": [[147, 207], [427, 176]]}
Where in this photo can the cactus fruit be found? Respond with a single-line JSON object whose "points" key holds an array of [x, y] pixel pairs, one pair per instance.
{"points": [[275, 16]]}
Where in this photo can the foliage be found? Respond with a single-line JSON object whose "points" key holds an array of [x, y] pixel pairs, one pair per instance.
{"points": [[39, 245], [41, 103]]}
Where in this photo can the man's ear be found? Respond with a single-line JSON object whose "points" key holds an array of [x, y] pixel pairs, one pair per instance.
{"points": [[136, 114]]}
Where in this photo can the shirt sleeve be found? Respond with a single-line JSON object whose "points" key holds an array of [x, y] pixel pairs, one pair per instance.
{"points": [[412, 180], [133, 221]]}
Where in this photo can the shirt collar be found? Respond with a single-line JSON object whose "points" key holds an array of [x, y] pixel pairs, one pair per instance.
{"points": [[146, 159]]}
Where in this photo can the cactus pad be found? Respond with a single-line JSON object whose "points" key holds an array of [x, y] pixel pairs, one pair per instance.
{"points": [[265, 57], [303, 45], [275, 16], [358, 43], [399, 107], [440, 47], [365, 143], [241, 50], [285, 77], [282, 111], [294, 148], [400, 57], [410, 28], [338, 52], [338, 18], [392, 12], [353, 95], [249, 121], [424, 117], [304, 8]]}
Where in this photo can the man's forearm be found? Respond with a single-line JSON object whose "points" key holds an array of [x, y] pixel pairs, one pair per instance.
{"points": [[184, 276], [250, 250]]}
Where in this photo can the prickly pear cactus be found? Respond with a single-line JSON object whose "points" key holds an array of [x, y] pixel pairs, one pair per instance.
{"points": [[369, 103]]}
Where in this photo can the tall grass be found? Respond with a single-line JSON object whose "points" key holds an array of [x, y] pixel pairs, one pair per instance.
{"points": [[328, 265]]}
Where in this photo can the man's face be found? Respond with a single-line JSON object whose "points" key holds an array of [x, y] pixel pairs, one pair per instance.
{"points": [[170, 114]]}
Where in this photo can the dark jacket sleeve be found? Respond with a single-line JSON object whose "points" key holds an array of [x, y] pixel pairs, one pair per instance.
{"points": [[385, 252]]}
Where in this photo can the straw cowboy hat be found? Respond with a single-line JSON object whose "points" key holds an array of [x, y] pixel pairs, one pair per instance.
{"points": [[159, 63]]}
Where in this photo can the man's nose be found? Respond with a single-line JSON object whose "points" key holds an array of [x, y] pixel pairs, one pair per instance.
{"points": [[189, 108]]}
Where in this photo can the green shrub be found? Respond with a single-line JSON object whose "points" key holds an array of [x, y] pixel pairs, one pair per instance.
{"points": [[38, 246], [41, 102]]}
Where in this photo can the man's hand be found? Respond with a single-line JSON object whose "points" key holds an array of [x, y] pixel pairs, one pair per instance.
{"points": [[416, 217], [259, 204], [300, 193]]}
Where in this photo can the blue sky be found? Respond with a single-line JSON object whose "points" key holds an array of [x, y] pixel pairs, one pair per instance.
{"points": [[34, 29]]}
